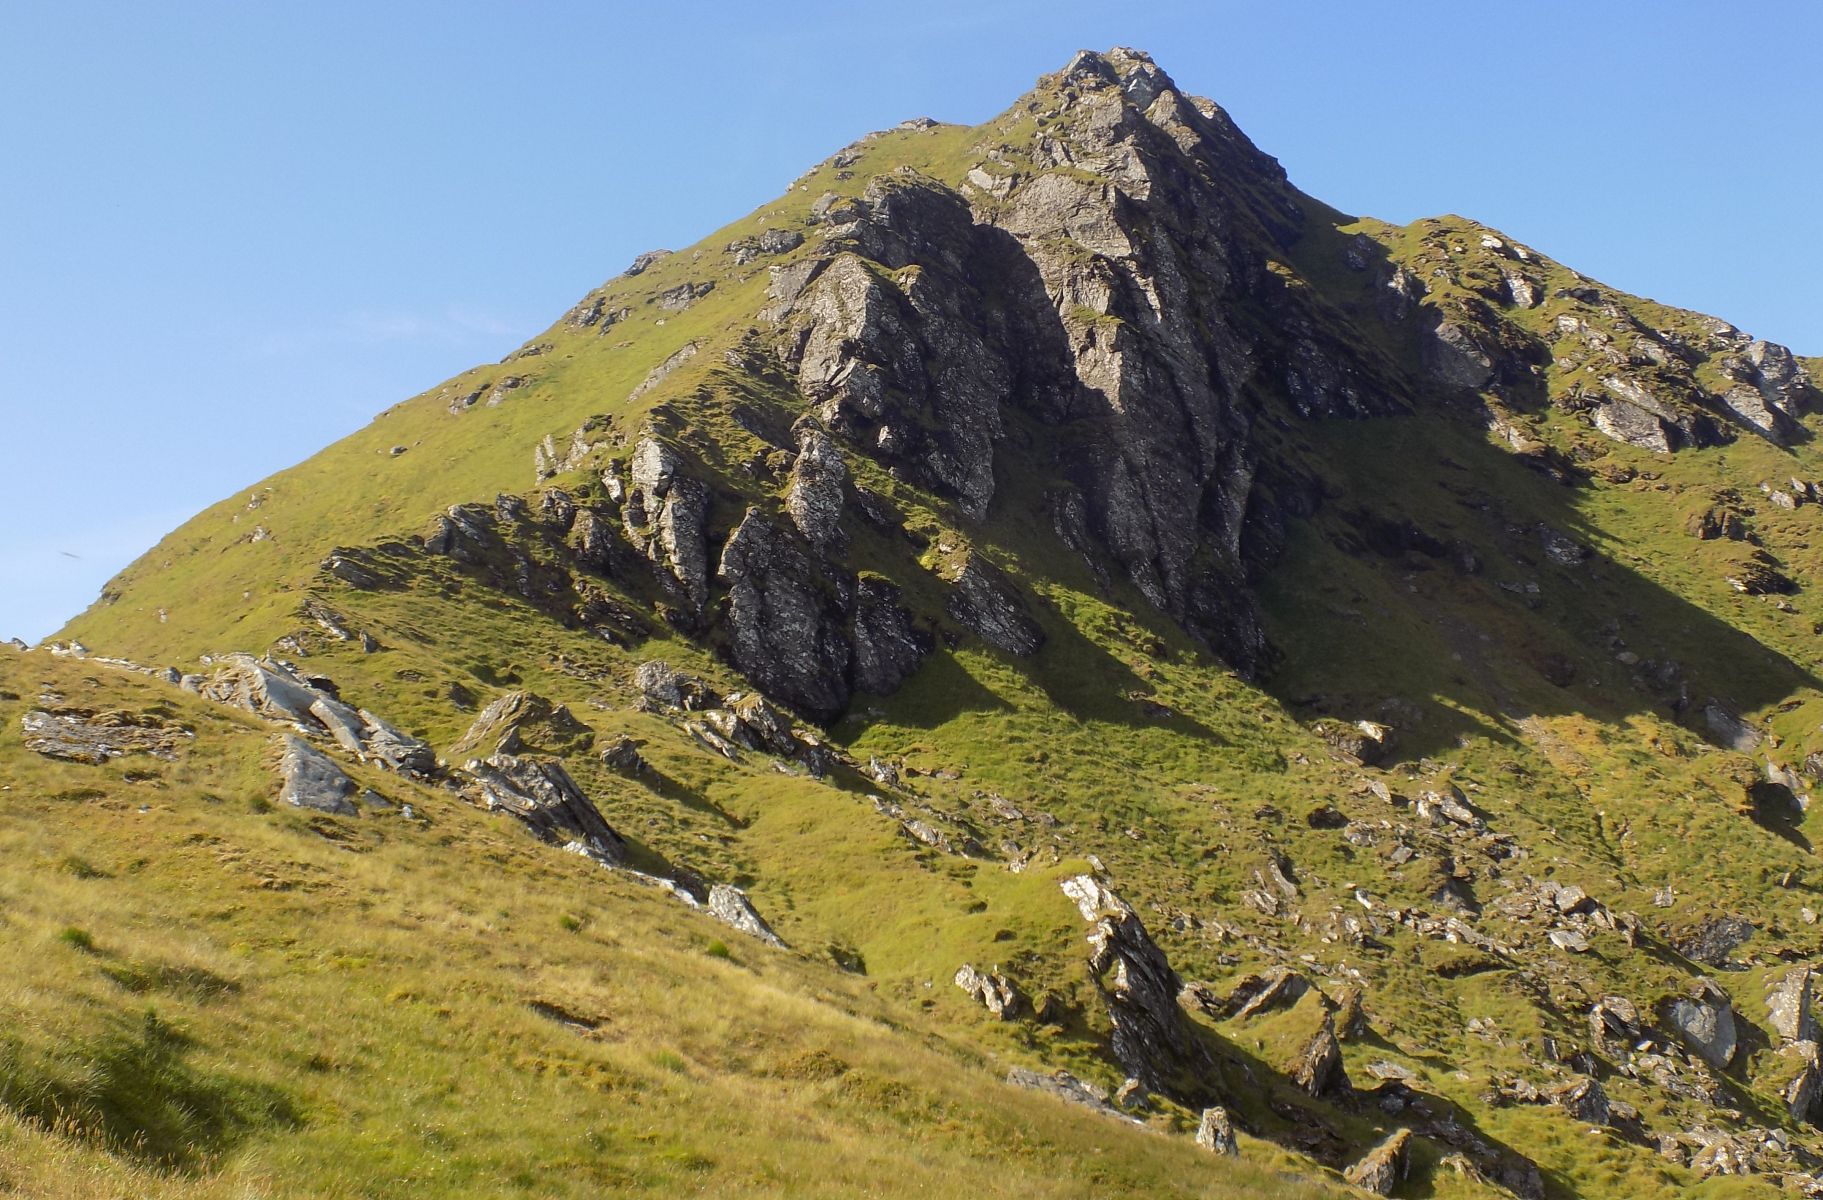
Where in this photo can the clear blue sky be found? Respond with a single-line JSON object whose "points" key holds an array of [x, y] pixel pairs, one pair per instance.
{"points": [[233, 231]]}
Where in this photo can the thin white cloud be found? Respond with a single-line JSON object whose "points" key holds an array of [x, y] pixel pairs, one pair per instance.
{"points": [[453, 326]]}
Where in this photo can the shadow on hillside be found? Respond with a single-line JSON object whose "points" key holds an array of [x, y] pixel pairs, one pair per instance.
{"points": [[1449, 590]]}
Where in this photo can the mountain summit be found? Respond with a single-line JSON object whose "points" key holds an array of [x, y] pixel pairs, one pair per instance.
{"points": [[1076, 613]]}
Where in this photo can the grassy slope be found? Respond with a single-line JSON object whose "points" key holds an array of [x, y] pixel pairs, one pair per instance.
{"points": [[226, 999]]}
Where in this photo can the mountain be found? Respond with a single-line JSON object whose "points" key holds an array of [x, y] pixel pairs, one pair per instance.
{"points": [[1044, 661]]}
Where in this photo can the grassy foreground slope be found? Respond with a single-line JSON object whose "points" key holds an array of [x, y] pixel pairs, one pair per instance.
{"points": [[210, 996]]}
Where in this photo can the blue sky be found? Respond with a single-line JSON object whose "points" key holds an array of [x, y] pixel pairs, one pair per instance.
{"points": [[235, 231]]}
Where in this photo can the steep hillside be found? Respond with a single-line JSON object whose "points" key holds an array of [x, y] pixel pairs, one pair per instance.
{"points": [[1390, 649]]}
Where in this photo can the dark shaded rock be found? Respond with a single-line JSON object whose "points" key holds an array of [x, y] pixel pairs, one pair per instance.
{"points": [[1152, 1038], [543, 796], [1318, 1067], [887, 647], [1583, 1099], [986, 602], [785, 623]]}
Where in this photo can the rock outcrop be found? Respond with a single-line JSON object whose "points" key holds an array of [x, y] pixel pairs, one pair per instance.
{"points": [[542, 795], [1215, 1133], [1704, 1020], [729, 905], [1151, 1038], [310, 779], [79, 735], [992, 990], [1381, 1169]]}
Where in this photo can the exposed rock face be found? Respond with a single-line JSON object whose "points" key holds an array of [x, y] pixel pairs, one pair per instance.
{"points": [[1583, 1099], [1705, 1021], [311, 780], [785, 623], [814, 499], [666, 515], [729, 905], [1381, 1169], [277, 693], [887, 647], [77, 735], [1215, 1133], [1788, 1007], [509, 722], [985, 601], [1152, 1038], [663, 686], [542, 795], [1067, 1087], [1804, 1089], [992, 990], [1318, 1067]]}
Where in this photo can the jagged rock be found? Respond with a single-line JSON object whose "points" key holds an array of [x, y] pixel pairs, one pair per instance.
{"points": [[1636, 425], [1729, 729], [729, 905], [311, 780], [265, 688], [543, 796], [887, 647], [665, 517], [1453, 357], [1381, 1169], [646, 260], [664, 687], [1152, 1038], [1803, 1089], [78, 735], [395, 749], [1583, 1099], [1066, 1086], [985, 601], [682, 296], [1722, 1155], [622, 754], [505, 724], [1318, 1067], [992, 990], [786, 628], [1788, 1007], [1215, 1133], [1366, 742], [1614, 1020], [1279, 988], [664, 370], [1705, 1021], [1350, 1014], [814, 497]]}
